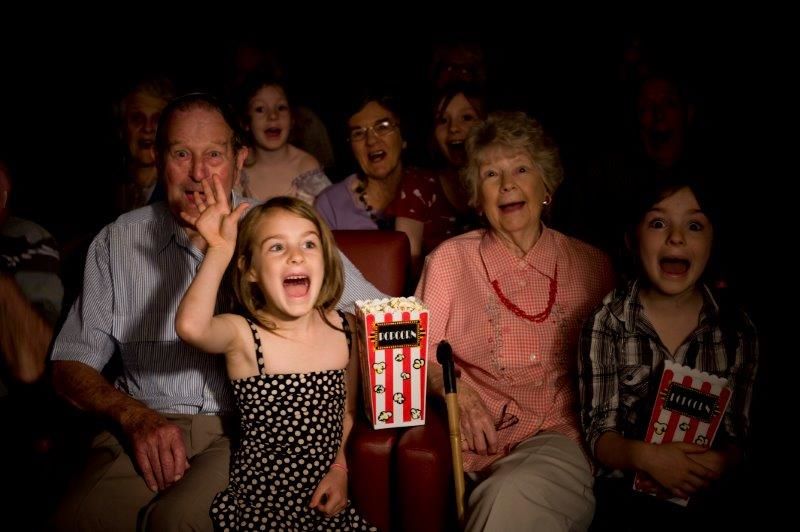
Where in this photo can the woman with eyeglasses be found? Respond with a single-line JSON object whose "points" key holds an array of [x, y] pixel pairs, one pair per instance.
{"points": [[510, 299], [362, 200]]}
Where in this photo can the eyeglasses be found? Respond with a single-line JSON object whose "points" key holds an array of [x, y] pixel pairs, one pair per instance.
{"points": [[506, 419], [380, 128]]}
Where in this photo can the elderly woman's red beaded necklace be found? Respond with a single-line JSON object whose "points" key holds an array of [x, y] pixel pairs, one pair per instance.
{"points": [[536, 318]]}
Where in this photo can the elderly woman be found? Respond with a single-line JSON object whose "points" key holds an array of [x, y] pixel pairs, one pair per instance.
{"points": [[510, 299], [361, 200]]}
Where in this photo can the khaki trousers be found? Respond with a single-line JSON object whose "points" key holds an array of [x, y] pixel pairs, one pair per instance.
{"points": [[110, 495], [544, 484]]}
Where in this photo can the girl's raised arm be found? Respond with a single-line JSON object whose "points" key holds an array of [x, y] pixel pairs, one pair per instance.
{"points": [[195, 322]]}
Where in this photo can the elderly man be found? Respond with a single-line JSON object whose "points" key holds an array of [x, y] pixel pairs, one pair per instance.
{"points": [[167, 452]]}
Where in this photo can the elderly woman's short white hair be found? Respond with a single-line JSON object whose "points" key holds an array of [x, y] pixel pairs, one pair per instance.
{"points": [[515, 131]]}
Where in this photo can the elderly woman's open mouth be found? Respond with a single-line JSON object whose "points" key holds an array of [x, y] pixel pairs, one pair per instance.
{"points": [[511, 207]]}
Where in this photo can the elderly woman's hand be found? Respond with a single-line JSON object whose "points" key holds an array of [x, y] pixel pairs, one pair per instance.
{"points": [[477, 426]]}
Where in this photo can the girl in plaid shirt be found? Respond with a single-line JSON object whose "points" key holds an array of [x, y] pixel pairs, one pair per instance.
{"points": [[667, 313]]}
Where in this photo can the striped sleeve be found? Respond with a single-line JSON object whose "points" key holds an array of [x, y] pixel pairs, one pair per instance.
{"points": [[86, 333], [355, 286]]}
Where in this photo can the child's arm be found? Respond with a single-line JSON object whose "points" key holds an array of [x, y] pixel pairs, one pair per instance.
{"points": [[741, 331], [333, 486], [195, 322], [670, 464], [720, 460]]}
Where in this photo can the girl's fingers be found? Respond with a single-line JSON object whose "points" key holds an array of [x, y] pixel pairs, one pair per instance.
{"points": [[198, 201], [208, 192], [240, 210], [220, 192]]}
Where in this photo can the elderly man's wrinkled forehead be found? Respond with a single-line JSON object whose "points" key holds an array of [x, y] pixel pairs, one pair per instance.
{"points": [[171, 114], [174, 111]]}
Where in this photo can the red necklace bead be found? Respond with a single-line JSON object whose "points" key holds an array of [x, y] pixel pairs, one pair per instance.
{"points": [[536, 318]]}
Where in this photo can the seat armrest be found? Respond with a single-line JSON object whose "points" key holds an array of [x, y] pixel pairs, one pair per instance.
{"points": [[425, 474], [370, 459]]}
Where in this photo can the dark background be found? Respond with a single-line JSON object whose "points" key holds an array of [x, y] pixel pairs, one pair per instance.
{"points": [[59, 84], [60, 78]]}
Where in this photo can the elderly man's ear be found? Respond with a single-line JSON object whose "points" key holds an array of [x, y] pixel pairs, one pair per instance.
{"points": [[241, 157]]}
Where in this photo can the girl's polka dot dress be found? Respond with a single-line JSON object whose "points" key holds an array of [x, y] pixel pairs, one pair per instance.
{"points": [[291, 429]]}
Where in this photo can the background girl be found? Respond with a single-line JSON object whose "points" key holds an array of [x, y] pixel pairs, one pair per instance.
{"points": [[275, 167]]}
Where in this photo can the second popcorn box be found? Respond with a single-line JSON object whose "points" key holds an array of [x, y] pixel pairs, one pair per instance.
{"points": [[393, 344]]}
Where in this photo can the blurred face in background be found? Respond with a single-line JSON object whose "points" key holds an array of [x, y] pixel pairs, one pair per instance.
{"points": [[270, 117], [452, 126], [663, 121], [140, 114], [460, 62]]}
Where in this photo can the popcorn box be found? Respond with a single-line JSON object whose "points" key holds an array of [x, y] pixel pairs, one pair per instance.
{"points": [[393, 347], [689, 408]]}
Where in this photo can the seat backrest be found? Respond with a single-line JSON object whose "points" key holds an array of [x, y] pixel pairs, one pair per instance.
{"points": [[384, 257]]}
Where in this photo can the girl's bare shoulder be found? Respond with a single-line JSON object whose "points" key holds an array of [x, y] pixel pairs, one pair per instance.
{"points": [[302, 160]]}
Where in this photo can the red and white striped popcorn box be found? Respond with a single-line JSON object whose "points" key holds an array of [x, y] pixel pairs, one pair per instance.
{"points": [[393, 346], [689, 408]]}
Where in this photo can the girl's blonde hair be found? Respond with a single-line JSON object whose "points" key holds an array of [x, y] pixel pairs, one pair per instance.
{"points": [[249, 295]]}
